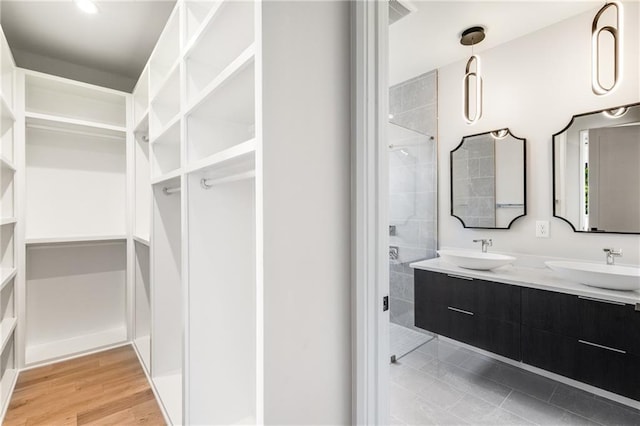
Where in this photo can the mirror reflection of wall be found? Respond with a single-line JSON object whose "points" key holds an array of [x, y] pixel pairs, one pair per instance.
{"points": [[488, 180], [597, 179]]}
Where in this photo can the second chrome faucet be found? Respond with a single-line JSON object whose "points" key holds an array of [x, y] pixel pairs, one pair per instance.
{"points": [[612, 254], [485, 243]]}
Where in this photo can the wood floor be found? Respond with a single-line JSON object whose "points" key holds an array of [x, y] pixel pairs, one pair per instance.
{"points": [[106, 388]]}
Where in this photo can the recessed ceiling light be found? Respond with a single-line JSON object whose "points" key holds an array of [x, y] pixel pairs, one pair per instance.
{"points": [[87, 6]]}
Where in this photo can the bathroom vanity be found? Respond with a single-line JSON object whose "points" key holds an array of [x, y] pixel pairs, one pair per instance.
{"points": [[588, 334]]}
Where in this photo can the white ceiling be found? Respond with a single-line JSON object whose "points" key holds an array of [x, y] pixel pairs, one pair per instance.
{"points": [[430, 37], [118, 40]]}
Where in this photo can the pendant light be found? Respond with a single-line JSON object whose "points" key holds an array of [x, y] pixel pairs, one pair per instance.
{"points": [[616, 33], [471, 37]]}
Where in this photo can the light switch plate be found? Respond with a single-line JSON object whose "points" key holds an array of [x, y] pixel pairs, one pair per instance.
{"points": [[542, 228]]}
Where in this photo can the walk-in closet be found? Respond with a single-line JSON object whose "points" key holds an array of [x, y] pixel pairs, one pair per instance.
{"points": [[141, 219]]}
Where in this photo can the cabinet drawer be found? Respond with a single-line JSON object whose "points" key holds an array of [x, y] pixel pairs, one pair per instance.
{"points": [[549, 351], [550, 311], [607, 369], [609, 324], [500, 337], [492, 300]]}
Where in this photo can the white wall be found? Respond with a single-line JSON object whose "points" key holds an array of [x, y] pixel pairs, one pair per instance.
{"points": [[307, 356], [533, 85]]}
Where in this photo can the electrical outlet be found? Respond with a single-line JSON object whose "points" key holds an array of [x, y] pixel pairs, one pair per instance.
{"points": [[542, 228]]}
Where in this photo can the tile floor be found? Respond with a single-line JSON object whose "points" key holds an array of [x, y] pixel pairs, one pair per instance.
{"points": [[403, 340], [444, 384]]}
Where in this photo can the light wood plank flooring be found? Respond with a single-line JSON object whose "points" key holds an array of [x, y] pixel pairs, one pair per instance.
{"points": [[109, 387]]}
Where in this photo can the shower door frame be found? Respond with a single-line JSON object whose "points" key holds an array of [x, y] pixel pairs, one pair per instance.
{"points": [[369, 215]]}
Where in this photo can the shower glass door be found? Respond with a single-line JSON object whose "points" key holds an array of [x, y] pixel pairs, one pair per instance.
{"points": [[412, 228]]}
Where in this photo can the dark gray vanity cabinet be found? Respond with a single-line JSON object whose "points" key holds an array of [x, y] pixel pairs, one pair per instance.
{"points": [[481, 313], [589, 340], [593, 341]]}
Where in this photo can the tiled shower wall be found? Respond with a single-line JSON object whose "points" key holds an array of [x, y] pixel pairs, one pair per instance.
{"points": [[412, 186]]}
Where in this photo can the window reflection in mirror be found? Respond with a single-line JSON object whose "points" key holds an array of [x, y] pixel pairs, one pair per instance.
{"points": [[596, 171], [488, 180]]}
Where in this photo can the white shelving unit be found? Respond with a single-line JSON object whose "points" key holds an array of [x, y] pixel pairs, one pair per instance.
{"points": [[76, 294], [204, 144], [8, 226]]}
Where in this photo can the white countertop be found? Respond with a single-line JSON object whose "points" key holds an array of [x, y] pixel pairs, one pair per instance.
{"points": [[541, 278]]}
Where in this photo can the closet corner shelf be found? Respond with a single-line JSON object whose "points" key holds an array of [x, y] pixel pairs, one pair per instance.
{"points": [[236, 154], [6, 330], [5, 109], [165, 130], [141, 240], [6, 163], [77, 239], [7, 221], [167, 176], [55, 122], [6, 275], [226, 74]]}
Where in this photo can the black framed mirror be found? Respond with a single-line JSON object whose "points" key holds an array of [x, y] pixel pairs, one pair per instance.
{"points": [[596, 171], [488, 180]]}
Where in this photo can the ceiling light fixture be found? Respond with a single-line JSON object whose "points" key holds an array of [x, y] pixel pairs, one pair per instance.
{"points": [[471, 37], [87, 6], [616, 34]]}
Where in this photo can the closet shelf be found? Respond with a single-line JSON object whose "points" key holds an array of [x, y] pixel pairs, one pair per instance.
{"points": [[167, 132], [68, 347], [142, 240], [76, 239], [175, 67], [72, 125], [6, 163], [5, 110], [167, 176], [6, 331], [203, 27], [235, 67], [242, 153], [6, 275], [143, 124], [8, 220]]}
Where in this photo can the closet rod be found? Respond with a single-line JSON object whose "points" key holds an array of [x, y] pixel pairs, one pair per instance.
{"points": [[168, 191], [208, 183], [74, 132]]}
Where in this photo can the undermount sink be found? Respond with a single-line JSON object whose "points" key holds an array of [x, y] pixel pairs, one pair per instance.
{"points": [[475, 259], [615, 277]]}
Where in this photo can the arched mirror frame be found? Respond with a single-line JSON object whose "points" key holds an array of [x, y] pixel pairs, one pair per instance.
{"points": [[554, 172], [524, 177]]}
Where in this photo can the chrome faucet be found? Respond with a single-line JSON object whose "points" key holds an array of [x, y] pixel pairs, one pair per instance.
{"points": [[485, 244], [612, 254]]}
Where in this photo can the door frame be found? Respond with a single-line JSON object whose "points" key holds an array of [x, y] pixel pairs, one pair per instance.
{"points": [[369, 217]]}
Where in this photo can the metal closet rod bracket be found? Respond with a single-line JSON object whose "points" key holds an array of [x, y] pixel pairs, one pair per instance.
{"points": [[168, 191]]}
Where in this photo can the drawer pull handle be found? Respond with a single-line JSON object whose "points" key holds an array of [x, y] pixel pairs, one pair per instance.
{"points": [[459, 310], [602, 347], [462, 277], [611, 302]]}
